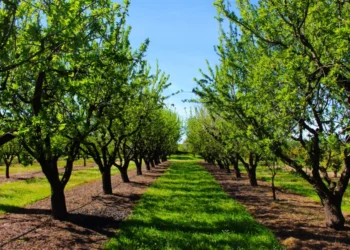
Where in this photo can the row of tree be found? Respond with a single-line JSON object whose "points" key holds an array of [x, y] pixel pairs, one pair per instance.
{"points": [[281, 91], [72, 84]]}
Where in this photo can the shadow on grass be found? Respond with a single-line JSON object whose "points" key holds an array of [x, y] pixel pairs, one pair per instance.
{"points": [[187, 209]]}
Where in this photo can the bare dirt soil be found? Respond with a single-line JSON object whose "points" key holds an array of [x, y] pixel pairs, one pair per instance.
{"points": [[297, 221], [93, 218]]}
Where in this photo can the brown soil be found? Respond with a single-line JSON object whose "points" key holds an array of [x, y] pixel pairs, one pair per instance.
{"points": [[93, 218], [297, 221], [38, 174]]}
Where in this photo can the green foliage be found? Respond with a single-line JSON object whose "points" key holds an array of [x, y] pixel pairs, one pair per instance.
{"points": [[187, 209]]}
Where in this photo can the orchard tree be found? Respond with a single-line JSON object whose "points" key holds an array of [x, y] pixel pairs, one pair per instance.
{"points": [[51, 101], [284, 75], [8, 152]]}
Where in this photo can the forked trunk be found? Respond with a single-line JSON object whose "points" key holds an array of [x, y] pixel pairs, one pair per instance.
{"points": [[333, 213], [106, 181]]}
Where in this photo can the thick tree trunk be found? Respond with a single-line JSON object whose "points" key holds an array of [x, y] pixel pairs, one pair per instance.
{"points": [[58, 202], [7, 170], [124, 174], [106, 181], [333, 213], [252, 176], [148, 166]]}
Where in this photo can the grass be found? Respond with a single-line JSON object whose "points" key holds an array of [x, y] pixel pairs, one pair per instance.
{"points": [[184, 157], [19, 168], [187, 209], [290, 181], [18, 194]]}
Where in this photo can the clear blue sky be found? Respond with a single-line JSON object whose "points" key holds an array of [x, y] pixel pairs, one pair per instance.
{"points": [[183, 34]]}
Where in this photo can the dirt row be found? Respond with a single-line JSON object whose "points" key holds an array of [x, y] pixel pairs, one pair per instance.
{"points": [[38, 174], [297, 221], [93, 218]]}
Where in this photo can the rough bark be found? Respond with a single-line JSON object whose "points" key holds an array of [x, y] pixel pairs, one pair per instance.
{"points": [[106, 180], [333, 213], [58, 200], [124, 174]]}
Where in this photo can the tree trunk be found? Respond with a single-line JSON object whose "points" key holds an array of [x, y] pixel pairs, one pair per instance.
{"points": [[124, 174], [335, 174], [273, 186], [106, 181], [7, 170], [58, 201], [153, 164], [19, 159], [333, 213], [221, 166], [148, 166], [84, 161], [139, 168], [252, 176], [236, 168]]}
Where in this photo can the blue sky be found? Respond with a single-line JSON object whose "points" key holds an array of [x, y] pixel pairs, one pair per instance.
{"points": [[183, 34]]}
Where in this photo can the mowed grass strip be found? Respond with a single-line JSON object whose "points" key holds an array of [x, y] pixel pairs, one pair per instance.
{"points": [[186, 209], [294, 183], [18, 194]]}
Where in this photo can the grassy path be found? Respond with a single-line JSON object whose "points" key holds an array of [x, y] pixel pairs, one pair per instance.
{"points": [[187, 209]]}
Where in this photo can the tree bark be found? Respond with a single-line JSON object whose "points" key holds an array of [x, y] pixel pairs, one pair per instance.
{"points": [[221, 165], [58, 201], [139, 167], [84, 161], [148, 166], [273, 186], [7, 170], [333, 213], [236, 168], [106, 181], [252, 176], [124, 174], [153, 164]]}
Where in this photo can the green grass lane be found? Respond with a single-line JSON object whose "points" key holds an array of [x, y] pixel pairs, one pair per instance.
{"points": [[186, 209], [290, 181], [21, 193]]}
